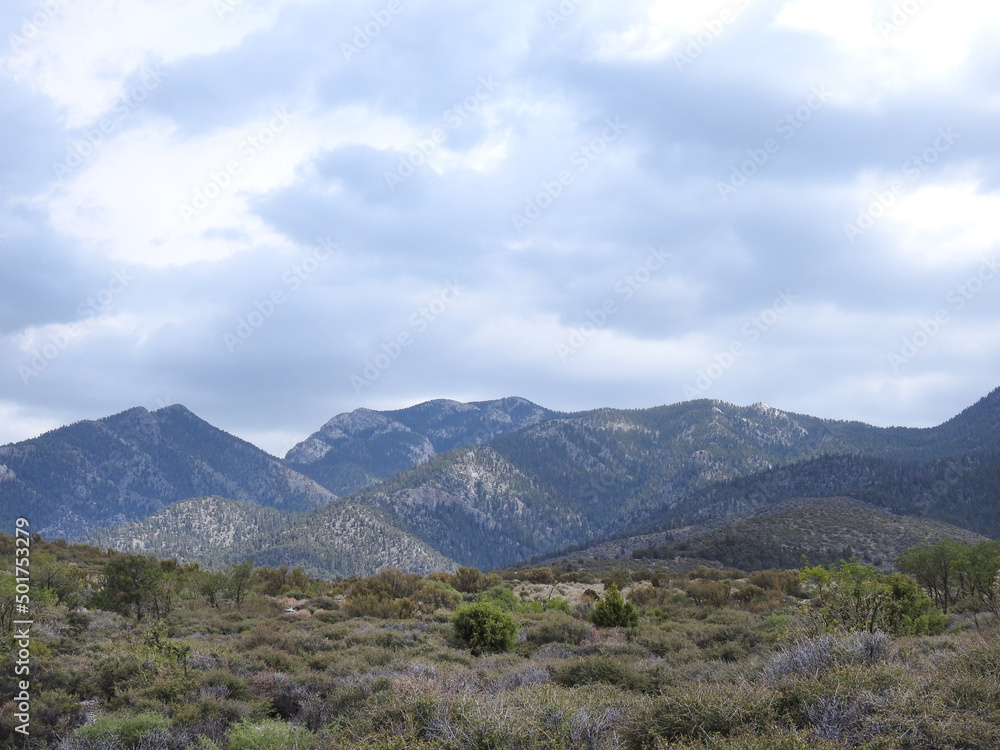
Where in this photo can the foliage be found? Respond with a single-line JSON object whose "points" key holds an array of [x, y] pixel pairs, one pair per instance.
{"points": [[612, 611], [857, 597], [125, 729], [956, 573], [129, 585], [485, 628], [267, 735], [687, 677]]}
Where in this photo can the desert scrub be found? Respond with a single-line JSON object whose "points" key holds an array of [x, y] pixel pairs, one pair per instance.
{"points": [[558, 629], [699, 711], [598, 669], [123, 729], [267, 735], [485, 628], [613, 611]]}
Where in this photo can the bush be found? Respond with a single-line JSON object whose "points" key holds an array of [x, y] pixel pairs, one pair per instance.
{"points": [[266, 735], [559, 629], [124, 730], [786, 581], [814, 657], [697, 711], [614, 612], [485, 628], [859, 597], [501, 597], [708, 592], [600, 669]]}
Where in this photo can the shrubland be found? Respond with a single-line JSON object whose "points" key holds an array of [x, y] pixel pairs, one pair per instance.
{"points": [[135, 652]]}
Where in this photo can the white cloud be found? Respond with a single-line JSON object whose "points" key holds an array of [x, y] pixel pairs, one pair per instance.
{"points": [[83, 53]]}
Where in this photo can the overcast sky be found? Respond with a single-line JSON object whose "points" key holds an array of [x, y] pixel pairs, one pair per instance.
{"points": [[274, 211]]}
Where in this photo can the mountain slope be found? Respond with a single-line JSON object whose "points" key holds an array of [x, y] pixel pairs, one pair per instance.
{"points": [[824, 530], [130, 465], [353, 451], [573, 478], [339, 539], [349, 539], [579, 477], [212, 531], [964, 491]]}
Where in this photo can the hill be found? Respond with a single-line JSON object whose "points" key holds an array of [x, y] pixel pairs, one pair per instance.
{"points": [[131, 465], [822, 530]]}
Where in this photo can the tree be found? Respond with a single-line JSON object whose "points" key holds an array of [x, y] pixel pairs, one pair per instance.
{"points": [[955, 574], [613, 611], [211, 585], [240, 579], [859, 597], [485, 628], [934, 568], [129, 585]]}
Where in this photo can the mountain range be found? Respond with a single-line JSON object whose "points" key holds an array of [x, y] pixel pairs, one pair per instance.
{"points": [[490, 484]]}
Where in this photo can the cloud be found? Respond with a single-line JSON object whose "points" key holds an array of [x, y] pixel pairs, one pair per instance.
{"points": [[535, 155]]}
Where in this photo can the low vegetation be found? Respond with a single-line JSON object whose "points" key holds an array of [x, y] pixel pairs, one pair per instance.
{"points": [[137, 653]]}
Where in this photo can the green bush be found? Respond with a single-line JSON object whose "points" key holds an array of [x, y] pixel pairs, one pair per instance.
{"points": [[267, 735], [500, 596], [117, 730], [558, 629], [614, 612], [485, 628], [698, 711], [598, 669], [858, 597], [708, 592]]}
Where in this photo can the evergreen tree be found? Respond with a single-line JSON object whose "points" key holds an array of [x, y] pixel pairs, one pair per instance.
{"points": [[613, 611]]}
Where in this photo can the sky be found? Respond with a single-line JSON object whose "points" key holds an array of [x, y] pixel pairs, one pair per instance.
{"points": [[276, 211]]}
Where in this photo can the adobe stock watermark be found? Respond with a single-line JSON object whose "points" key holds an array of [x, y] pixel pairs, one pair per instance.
{"points": [[582, 158], [365, 33], [455, 116], [249, 149], [561, 14], [957, 298], [418, 321], [21, 627], [90, 308], [80, 151], [32, 27], [911, 171], [751, 332], [901, 15], [224, 7], [625, 288], [714, 28], [786, 127], [291, 281]]}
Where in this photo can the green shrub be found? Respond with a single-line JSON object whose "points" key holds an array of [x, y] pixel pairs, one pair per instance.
{"points": [[558, 629], [858, 597], [708, 592], [434, 595], [614, 612], [649, 596], [750, 593], [124, 730], [598, 669], [267, 735], [500, 596], [485, 628], [786, 581], [697, 711]]}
